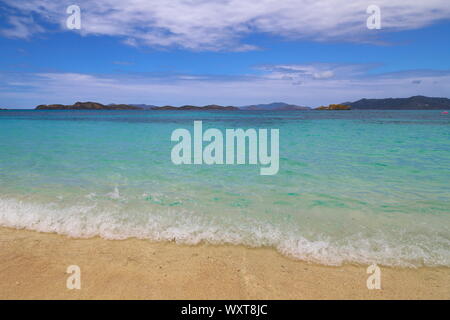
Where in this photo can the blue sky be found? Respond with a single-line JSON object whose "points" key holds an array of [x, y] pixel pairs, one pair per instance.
{"points": [[224, 52]]}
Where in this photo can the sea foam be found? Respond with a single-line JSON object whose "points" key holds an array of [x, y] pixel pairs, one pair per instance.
{"points": [[185, 227]]}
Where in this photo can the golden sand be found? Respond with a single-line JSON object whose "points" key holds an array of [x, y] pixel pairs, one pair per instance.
{"points": [[33, 266]]}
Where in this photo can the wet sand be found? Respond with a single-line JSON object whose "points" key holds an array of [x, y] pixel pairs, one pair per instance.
{"points": [[33, 266]]}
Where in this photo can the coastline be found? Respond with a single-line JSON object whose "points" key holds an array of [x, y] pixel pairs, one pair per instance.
{"points": [[33, 266]]}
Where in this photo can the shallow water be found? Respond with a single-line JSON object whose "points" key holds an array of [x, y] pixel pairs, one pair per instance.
{"points": [[353, 186]]}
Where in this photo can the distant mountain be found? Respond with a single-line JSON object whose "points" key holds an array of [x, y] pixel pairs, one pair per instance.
{"points": [[189, 107], [412, 103], [87, 106], [275, 106]]}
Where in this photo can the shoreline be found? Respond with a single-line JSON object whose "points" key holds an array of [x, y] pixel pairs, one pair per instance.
{"points": [[33, 266]]}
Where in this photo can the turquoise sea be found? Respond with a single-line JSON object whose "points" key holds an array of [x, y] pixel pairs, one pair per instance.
{"points": [[353, 186]]}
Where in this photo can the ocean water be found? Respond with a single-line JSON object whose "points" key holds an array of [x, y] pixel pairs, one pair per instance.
{"points": [[353, 186]]}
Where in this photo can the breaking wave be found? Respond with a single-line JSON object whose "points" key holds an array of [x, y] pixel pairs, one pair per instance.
{"points": [[185, 227]]}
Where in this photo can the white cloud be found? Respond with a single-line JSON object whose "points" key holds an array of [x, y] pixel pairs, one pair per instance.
{"points": [[298, 73], [323, 74], [29, 90], [21, 27], [223, 24]]}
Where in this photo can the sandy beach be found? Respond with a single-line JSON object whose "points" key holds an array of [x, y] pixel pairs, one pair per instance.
{"points": [[33, 266]]}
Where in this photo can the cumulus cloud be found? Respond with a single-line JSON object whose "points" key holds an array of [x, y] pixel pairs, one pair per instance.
{"points": [[224, 24]]}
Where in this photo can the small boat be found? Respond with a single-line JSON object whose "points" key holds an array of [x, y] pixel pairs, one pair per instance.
{"points": [[444, 112]]}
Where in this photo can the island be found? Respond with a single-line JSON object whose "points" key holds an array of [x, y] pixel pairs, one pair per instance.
{"points": [[334, 107], [411, 103], [274, 106], [189, 107], [87, 106]]}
